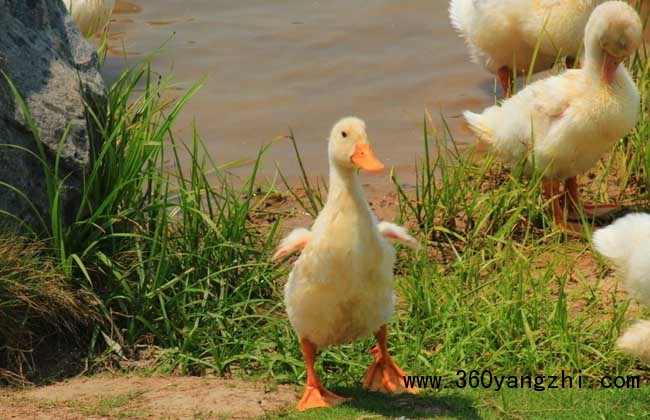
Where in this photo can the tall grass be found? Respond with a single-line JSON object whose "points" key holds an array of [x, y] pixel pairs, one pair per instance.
{"points": [[172, 252], [169, 252]]}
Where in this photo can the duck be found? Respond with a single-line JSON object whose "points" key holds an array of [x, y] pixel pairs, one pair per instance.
{"points": [[91, 16], [341, 286], [560, 126], [502, 35], [626, 243]]}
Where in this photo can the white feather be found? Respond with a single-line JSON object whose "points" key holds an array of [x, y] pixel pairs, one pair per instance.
{"points": [[636, 340], [626, 242]]}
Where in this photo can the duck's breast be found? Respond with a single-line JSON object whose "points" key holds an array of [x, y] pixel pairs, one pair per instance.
{"points": [[341, 286], [597, 117]]}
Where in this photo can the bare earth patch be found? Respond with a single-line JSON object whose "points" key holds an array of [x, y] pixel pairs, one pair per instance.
{"points": [[147, 397]]}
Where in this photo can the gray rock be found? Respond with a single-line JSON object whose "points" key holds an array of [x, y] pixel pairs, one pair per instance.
{"points": [[56, 72]]}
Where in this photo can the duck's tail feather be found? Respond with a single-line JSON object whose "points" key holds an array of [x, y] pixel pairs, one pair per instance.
{"points": [[478, 124], [635, 341]]}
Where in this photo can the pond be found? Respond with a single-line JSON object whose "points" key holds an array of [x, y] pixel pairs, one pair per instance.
{"points": [[272, 66]]}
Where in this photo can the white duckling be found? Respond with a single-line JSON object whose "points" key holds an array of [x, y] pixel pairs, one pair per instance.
{"points": [[626, 242], [501, 35], [564, 124], [90, 16], [341, 286]]}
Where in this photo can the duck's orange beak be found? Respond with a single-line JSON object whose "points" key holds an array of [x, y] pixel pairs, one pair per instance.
{"points": [[365, 158], [610, 65]]}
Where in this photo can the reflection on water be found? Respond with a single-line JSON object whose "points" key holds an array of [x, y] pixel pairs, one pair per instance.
{"points": [[271, 66], [123, 7]]}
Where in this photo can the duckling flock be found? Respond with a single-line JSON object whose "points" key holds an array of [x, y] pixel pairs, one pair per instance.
{"points": [[340, 288]]}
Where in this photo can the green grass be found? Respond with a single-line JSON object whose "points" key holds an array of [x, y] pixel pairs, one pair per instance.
{"points": [[488, 404], [177, 255]]}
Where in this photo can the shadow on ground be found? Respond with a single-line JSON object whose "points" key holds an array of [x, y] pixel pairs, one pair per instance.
{"points": [[423, 406]]}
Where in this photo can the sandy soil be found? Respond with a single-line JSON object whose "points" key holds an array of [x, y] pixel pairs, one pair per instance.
{"points": [[147, 397]]}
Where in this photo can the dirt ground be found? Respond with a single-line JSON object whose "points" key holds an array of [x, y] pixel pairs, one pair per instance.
{"points": [[148, 398]]}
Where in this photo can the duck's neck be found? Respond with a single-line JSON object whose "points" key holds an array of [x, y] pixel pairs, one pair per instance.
{"points": [[596, 68], [344, 184], [593, 62]]}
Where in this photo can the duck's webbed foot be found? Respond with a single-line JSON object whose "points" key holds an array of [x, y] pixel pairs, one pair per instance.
{"points": [[556, 208], [576, 208], [317, 396], [384, 375], [594, 211]]}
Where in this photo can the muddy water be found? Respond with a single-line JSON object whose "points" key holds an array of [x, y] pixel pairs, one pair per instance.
{"points": [[271, 66]]}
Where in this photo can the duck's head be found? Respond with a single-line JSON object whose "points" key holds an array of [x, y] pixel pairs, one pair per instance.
{"points": [[349, 146], [614, 31]]}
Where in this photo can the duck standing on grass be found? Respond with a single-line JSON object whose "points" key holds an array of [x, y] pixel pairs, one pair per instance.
{"points": [[90, 16], [626, 243], [341, 286], [502, 35], [564, 124]]}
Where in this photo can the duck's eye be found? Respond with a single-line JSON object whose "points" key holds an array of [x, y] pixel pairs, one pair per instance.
{"points": [[344, 134]]}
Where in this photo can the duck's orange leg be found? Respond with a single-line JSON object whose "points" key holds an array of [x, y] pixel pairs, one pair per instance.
{"points": [[553, 196], [315, 394], [591, 211], [383, 374], [505, 77]]}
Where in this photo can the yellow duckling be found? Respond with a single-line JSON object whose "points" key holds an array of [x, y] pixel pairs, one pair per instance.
{"points": [[341, 286], [565, 123], [501, 35], [90, 15]]}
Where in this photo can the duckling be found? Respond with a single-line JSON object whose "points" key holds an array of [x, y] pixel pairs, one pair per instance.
{"points": [[341, 286], [502, 35], [626, 242], [90, 15], [564, 124]]}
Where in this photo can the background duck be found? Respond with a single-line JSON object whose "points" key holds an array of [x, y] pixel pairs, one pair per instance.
{"points": [[341, 286], [564, 124], [626, 242], [91, 16], [501, 35]]}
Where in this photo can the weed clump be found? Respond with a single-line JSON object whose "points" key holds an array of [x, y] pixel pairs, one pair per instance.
{"points": [[39, 309]]}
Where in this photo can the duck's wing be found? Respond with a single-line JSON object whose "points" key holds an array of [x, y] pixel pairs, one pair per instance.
{"points": [[397, 233], [294, 241], [525, 118]]}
